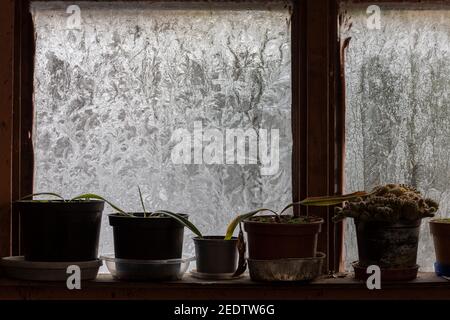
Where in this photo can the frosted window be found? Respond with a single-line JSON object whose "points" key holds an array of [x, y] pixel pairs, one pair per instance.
{"points": [[398, 115], [111, 92]]}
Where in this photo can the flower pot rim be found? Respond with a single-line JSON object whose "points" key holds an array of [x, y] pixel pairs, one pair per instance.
{"points": [[60, 202], [214, 239], [58, 207], [401, 222], [117, 215], [440, 221]]}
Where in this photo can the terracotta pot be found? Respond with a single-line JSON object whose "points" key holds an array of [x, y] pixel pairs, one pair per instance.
{"points": [[440, 229], [272, 241]]}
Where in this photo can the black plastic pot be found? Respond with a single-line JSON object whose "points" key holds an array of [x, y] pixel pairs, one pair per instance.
{"points": [[388, 245], [152, 238], [60, 231], [216, 255]]}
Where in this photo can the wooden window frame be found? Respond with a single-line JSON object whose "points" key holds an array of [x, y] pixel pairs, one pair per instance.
{"points": [[318, 115], [6, 122]]}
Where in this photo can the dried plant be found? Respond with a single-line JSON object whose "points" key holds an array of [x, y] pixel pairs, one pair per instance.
{"points": [[391, 202]]}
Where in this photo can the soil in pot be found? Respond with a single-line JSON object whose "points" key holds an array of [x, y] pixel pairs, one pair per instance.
{"points": [[386, 244], [291, 237], [60, 231], [214, 255], [440, 229], [150, 238]]}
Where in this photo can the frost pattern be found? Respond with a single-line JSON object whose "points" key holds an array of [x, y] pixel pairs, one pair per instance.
{"points": [[109, 95], [398, 115]]}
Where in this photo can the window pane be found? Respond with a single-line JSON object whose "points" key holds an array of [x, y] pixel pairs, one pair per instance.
{"points": [[114, 92], [397, 100]]}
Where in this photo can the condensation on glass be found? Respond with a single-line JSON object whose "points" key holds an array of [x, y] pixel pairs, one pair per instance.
{"points": [[397, 106], [112, 88]]}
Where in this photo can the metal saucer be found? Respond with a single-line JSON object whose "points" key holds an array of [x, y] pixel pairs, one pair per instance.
{"points": [[301, 269]]}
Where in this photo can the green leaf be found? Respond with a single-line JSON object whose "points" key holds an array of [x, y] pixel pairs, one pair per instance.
{"points": [[331, 200], [43, 194], [97, 197], [142, 201], [180, 219], [233, 224], [289, 205]]}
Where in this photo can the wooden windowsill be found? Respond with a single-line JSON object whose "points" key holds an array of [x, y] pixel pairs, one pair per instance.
{"points": [[426, 286]]}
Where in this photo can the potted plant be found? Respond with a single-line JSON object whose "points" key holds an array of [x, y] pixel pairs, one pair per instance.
{"points": [[440, 229], [280, 236], [148, 245], [149, 235], [216, 256], [222, 256], [60, 230], [387, 222]]}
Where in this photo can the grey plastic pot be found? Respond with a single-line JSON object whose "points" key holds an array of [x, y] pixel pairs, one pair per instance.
{"points": [[215, 255]]}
